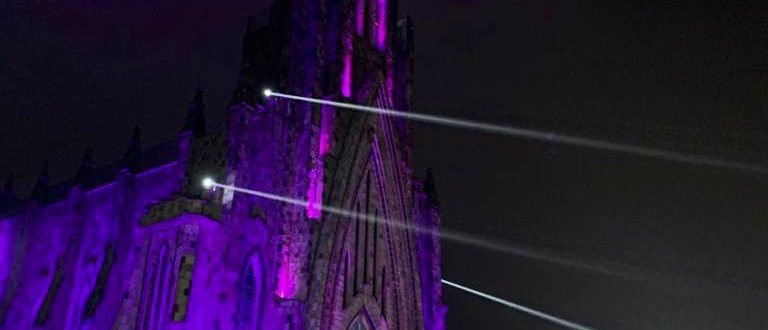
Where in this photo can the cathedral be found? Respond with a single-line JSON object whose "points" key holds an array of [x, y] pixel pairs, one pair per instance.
{"points": [[141, 244]]}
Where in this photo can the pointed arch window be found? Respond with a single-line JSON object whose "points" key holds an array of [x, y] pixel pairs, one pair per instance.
{"points": [[159, 288], [360, 323], [249, 299], [157, 280]]}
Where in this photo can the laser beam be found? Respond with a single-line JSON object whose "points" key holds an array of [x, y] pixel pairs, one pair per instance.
{"points": [[520, 308], [538, 135], [449, 235]]}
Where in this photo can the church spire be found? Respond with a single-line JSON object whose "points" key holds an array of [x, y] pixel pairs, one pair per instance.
{"points": [[40, 191], [429, 189], [132, 157], [195, 122], [86, 165]]}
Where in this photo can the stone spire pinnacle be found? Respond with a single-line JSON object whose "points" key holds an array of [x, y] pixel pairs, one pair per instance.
{"points": [[132, 157], [195, 122], [86, 165], [40, 191], [429, 189]]}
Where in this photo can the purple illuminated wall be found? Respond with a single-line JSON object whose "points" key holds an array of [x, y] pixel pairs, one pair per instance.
{"points": [[5, 253], [139, 244], [316, 174], [346, 76], [381, 31], [360, 17]]}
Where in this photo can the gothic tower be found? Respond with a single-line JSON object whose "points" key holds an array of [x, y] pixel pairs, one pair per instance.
{"points": [[140, 244], [333, 272]]}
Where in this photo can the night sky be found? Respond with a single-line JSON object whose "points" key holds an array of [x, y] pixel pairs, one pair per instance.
{"points": [[686, 76]]}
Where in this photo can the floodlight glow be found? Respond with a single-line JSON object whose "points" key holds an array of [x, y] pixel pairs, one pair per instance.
{"points": [[267, 92], [532, 134], [208, 183]]}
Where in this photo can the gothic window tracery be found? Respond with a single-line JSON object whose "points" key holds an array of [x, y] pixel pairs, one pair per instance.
{"points": [[364, 266], [364, 262]]}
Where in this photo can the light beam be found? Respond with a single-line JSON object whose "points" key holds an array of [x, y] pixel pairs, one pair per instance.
{"points": [[539, 135], [208, 183], [454, 236], [520, 308]]}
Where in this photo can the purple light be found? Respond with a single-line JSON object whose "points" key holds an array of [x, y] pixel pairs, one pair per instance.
{"points": [[325, 131], [286, 281], [381, 36], [346, 78], [360, 22], [5, 249], [315, 193], [161, 230]]}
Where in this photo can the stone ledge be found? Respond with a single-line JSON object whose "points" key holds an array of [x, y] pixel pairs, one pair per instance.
{"points": [[175, 207]]}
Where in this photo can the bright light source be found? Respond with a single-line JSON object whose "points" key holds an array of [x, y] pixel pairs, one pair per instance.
{"points": [[208, 183], [267, 92]]}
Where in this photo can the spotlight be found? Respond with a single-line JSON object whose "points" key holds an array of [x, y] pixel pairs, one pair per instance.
{"points": [[267, 92], [208, 183]]}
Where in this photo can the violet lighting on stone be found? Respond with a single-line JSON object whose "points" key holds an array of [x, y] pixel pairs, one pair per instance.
{"points": [[141, 245]]}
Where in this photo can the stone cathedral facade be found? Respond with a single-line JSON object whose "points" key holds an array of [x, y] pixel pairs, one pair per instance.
{"points": [[140, 244]]}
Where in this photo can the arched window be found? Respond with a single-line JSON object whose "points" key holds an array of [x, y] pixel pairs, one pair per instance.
{"points": [[249, 300], [156, 283], [360, 323], [161, 283]]}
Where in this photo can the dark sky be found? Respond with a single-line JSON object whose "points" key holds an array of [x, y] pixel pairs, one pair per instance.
{"points": [[689, 76]]}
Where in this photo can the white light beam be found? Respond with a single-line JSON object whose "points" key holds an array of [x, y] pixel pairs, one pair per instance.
{"points": [[209, 183], [520, 308], [538, 135], [457, 237]]}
